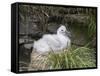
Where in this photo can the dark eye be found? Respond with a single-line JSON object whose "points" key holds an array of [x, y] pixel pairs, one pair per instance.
{"points": [[61, 30]]}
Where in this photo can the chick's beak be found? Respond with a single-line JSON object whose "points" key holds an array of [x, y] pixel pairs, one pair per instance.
{"points": [[68, 34]]}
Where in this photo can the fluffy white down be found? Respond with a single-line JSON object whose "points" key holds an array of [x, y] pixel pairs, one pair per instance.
{"points": [[54, 42]]}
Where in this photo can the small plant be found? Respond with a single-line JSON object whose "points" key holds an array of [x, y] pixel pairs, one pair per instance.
{"points": [[81, 57], [92, 26]]}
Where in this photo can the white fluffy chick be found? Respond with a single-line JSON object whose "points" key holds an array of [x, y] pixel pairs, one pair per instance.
{"points": [[53, 42]]}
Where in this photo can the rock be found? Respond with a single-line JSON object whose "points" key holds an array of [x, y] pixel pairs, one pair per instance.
{"points": [[79, 19], [24, 53], [52, 28], [55, 19], [79, 36]]}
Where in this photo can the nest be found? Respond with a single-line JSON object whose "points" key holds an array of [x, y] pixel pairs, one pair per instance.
{"points": [[38, 61]]}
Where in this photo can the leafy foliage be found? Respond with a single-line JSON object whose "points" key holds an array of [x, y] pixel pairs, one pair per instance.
{"points": [[92, 26], [81, 57]]}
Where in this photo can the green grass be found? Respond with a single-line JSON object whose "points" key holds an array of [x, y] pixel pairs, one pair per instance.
{"points": [[92, 26], [81, 57]]}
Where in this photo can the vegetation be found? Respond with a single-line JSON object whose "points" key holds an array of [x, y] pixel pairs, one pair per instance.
{"points": [[72, 58], [92, 26], [80, 57]]}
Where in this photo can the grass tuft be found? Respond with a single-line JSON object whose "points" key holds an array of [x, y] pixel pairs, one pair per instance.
{"points": [[81, 57]]}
